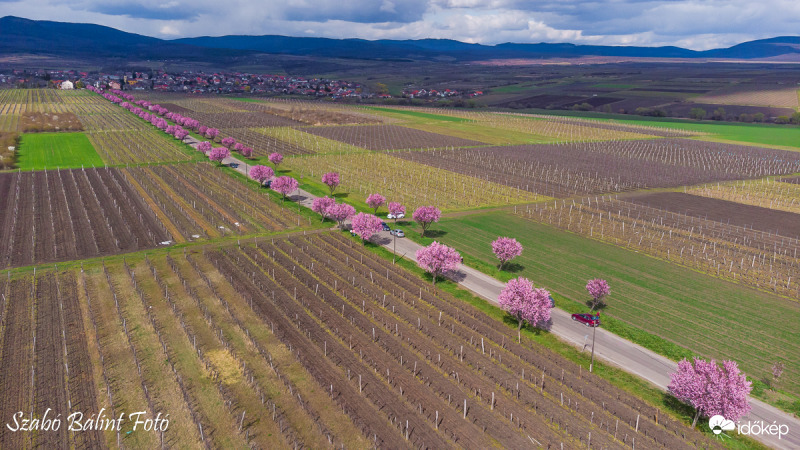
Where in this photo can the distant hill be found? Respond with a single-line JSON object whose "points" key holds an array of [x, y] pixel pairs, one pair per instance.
{"points": [[18, 35]]}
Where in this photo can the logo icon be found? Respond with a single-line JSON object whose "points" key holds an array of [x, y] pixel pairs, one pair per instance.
{"points": [[718, 424]]}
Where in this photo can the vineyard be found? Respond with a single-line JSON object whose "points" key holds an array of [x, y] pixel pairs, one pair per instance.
{"points": [[59, 215], [761, 259], [197, 201], [388, 137], [565, 170], [419, 185], [310, 341], [754, 94], [765, 193]]}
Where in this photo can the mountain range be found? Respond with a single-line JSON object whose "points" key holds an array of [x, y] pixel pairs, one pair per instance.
{"points": [[37, 37]]}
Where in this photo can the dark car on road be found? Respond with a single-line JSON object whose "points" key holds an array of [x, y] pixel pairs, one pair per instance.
{"points": [[590, 320], [385, 227]]}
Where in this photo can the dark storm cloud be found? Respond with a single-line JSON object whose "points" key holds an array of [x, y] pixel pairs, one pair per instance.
{"points": [[162, 11], [363, 11]]}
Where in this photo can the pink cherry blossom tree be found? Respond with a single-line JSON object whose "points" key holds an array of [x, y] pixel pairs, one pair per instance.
{"points": [[506, 249], [375, 201], [341, 212], [396, 208], [425, 216], [710, 389], [247, 152], [228, 142], [218, 154], [275, 158], [366, 225], [212, 133], [238, 147], [284, 185], [204, 146], [261, 173], [180, 134], [525, 303], [321, 205], [331, 179], [598, 289], [438, 259]]}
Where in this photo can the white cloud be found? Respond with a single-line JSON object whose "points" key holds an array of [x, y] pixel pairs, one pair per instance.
{"points": [[697, 24]]}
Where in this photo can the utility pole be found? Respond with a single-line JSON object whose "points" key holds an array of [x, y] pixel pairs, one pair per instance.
{"points": [[594, 330], [394, 250]]}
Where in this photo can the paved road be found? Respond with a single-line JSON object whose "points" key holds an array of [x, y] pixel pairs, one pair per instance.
{"points": [[609, 347]]}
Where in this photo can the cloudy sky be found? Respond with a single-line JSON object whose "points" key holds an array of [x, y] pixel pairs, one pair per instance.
{"points": [[696, 24]]}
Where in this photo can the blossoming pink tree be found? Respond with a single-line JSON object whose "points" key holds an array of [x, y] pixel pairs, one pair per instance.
{"points": [[261, 173], [180, 134], [284, 185], [366, 225], [438, 259], [341, 212], [375, 201], [204, 146], [525, 303], [506, 249], [218, 154], [228, 142], [425, 216], [320, 206], [247, 152], [396, 208], [238, 147], [598, 289], [212, 133], [710, 389], [275, 158], [331, 179]]}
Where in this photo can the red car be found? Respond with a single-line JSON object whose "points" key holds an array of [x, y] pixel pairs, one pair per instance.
{"points": [[590, 320]]}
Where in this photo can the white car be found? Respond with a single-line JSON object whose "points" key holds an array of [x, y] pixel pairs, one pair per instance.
{"points": [[398, 233], [392, 216]]}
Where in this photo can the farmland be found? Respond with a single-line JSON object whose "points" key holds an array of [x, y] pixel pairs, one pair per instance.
{"points": [[59, 215], [200, 202], [388, 137], [766, 193], [198, 293], [595, 168], [56, 150], [712, 317], [310, 341], [364, 174]]}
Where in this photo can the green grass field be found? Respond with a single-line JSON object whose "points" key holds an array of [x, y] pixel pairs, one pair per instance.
{"points": [[57, 150], [685, 309]]}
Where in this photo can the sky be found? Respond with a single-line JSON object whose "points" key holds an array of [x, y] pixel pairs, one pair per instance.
{"points": [[695, 24]]}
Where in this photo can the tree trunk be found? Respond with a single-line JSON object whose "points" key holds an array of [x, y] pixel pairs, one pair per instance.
{"points": [[696, 416], [519, 331]]}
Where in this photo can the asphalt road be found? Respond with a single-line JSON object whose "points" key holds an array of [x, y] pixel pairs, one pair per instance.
{"points": [[609, 347]]}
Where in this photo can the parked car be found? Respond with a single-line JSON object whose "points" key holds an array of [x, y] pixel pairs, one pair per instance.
{"points": [[552, 302], [398, 233], [392, 216], [590, 320], [268, 184], [233, 165], [385, 227]]}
